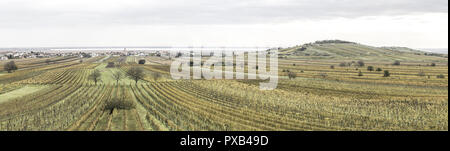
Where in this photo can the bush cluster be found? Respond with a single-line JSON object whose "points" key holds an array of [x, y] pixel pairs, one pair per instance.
{"points": [[120, 104]]}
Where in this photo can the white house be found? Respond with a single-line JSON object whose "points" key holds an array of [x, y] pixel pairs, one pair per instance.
{"points": [[3, 58], [141, 54]]}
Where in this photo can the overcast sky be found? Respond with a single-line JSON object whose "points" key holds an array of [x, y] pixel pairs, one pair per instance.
{"points": [[59, 23]]}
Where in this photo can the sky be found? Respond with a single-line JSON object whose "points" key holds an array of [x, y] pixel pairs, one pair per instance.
{"points": [[218, 23]]}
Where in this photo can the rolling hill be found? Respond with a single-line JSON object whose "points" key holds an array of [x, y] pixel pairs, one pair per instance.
{"points": [[344, 50]]}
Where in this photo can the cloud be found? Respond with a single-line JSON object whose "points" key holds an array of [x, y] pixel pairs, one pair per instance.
{"points": [[36, 23], [18, 13]]}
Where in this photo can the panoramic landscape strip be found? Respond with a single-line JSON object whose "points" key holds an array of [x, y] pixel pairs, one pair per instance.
{"points": [[330, 85]]}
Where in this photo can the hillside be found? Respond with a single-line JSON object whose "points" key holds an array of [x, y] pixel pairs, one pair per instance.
{"points": [[343, 50]]}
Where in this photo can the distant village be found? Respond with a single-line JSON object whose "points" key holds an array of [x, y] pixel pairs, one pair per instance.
{"points": [[23, 53]]}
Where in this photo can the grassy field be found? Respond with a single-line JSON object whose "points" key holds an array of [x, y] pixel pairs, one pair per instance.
{"points": [[60, 96], [29, 89], [107, 75]]}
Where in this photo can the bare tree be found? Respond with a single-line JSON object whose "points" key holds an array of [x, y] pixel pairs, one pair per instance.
{"points": [[95, 76], [10, 66], [135, 73], [117, 76]]}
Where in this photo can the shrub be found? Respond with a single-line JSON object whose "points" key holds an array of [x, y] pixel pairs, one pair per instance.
{"points": [[421, 74], [379, 69], [433, 64], [361, 63], [156, 76], [333, 41], [343, 64], [110, 65], [397, 63], [386, 73], [179, 54], [302, 48], [360, 73], [323, 75], [441, 76], [142, 61], [120, 104], [370, 68], [292, 75], [332, 67], [85, 55]]}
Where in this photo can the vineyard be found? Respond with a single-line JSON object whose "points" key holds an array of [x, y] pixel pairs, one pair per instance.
{"points": [[62, 96]]}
